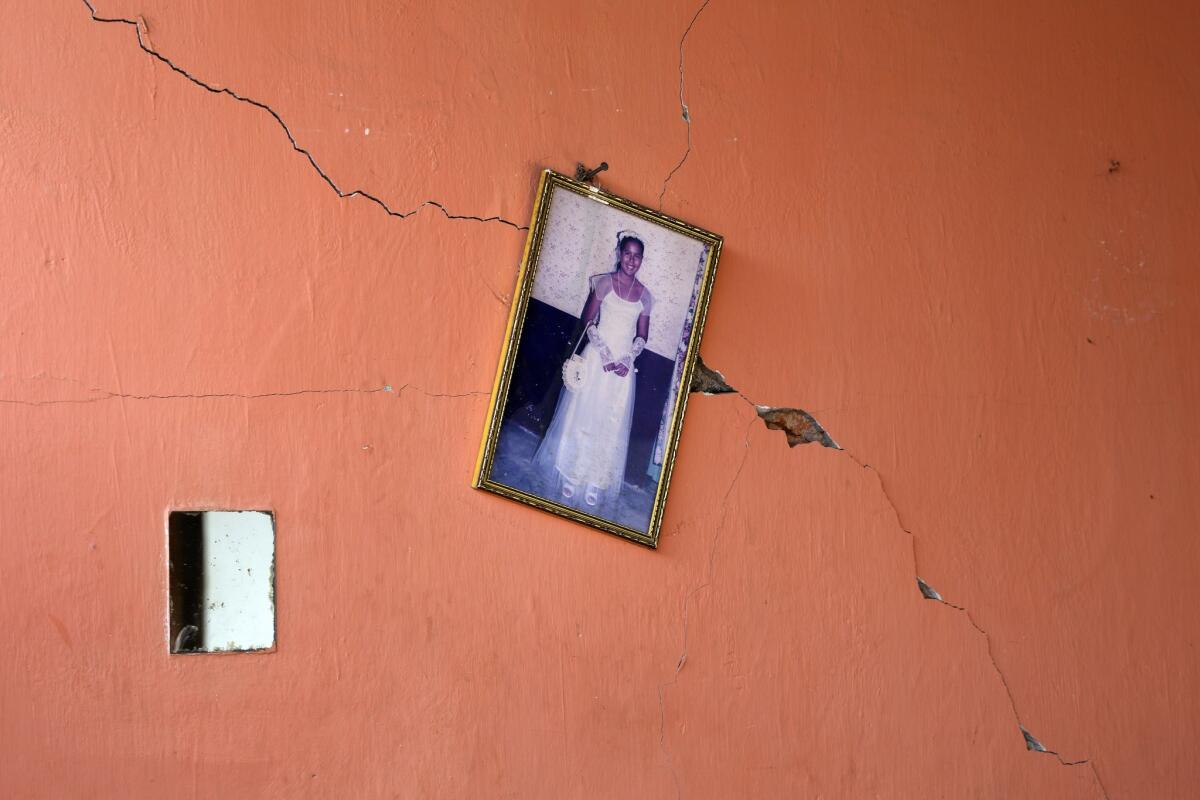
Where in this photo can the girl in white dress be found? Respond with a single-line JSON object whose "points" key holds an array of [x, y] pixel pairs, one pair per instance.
{"points": [[582, 456]]}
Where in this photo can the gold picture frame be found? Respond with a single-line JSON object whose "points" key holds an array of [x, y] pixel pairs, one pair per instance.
{"points": [[534, 455]]}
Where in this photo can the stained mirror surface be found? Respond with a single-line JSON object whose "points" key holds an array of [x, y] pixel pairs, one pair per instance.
{"points": [[222, 581]]}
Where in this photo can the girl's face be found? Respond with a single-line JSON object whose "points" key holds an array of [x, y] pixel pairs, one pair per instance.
{"points": [[631, 258]]}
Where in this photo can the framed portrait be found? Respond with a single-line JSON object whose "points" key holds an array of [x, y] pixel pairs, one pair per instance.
{"points": [[603, 335]]}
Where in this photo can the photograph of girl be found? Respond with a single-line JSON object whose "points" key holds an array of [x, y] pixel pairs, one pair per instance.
{"points": [[602, 346], [582, 456]]}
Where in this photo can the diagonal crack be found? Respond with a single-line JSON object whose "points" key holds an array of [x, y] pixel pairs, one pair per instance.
{"points": [[1031, 742], [143, 43], [801, 428], [929, 593], [683, 106]]}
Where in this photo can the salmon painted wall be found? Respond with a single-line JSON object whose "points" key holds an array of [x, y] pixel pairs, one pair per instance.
{"points": [[962, 235]]}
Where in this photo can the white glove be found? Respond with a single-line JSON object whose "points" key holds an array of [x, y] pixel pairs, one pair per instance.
{"points": [[639, 344], [596, 339]]}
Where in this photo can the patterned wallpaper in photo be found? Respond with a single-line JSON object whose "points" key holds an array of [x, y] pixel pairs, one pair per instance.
{"points": [[580, 241]]}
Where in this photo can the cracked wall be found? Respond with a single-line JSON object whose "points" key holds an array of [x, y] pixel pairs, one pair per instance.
{"points": [[927, 251]]}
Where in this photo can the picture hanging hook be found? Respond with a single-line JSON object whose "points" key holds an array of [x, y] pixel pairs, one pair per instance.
{"points": [[585, 175]]}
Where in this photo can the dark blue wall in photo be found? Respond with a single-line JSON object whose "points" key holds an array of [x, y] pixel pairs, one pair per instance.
{"points": [[546, 342]]}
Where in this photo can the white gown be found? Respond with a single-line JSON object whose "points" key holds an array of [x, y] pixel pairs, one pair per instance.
{"points": [[581, 459]]}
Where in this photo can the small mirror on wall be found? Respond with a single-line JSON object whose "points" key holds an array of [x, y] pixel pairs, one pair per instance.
{"points": [[221, 568]]}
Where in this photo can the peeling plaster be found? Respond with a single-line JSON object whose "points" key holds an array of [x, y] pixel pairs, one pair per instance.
{"points": [[708, 381], [799, 426]]}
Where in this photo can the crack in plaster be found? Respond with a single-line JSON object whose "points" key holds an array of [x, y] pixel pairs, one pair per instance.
{"points": [[106, 395], [687, 602], [683, 106], [502, 299], [143, 39], [1031, 742], [801, 428], [476, 393], [103, 395], [929, 593]]}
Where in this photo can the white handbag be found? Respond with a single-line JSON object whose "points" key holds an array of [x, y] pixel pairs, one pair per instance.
{"points": [[572, 373], [574, 369]]}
